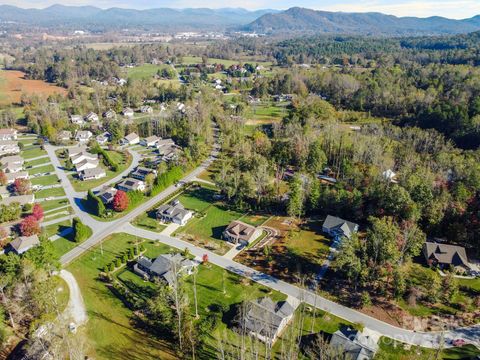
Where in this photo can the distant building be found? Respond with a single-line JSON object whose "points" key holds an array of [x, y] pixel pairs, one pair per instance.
{"points": [[76, 119], [164, 267], [174, 213], [104, 138], [150, 141], [92, 117], [445, 255], [64, 136], [266, 319], [130, 139], [107, 194], [8, 134], [338, 228], [130, 184], [141, 173], [109, 114], [390, 176], [239, 232], [11, 164], [146, 109], [21, 199], [128, 112], [93, 174], [11, 177], [24, 243], [353, 344], [86, 164], [78, 158], [83, 136], [9, 147]]}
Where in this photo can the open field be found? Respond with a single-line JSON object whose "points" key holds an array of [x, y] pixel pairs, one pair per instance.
{"points": [[145, 71], [266, 113], [13, 85]]}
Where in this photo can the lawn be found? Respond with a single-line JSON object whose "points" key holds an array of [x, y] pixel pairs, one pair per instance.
{"points": [[42, 169], [57, 228], [53, 204], [110, 327], [123, 160], [45, 180], [266, 113], [148, 221], [145, 71], [44, 160], [65, 243], [210, 172], [31, 152], [53, 192]]}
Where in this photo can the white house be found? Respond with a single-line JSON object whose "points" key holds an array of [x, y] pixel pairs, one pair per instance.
{"points": [[130, 184], [92, 117], [21, 199], [9, 147], [102, 139], [64, 135], [83, 136], [11, 164], [150, 141], [128, 112], [146, 109], [24, 243], [78, 158], [174, 213], [86, 164], [390, 176], [93, 174], [76, 119], [130, 139], [8, 134], [11, 177]]}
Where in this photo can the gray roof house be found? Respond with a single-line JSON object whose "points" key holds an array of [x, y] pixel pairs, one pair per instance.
{"points": [[21, 199], [337, 227], [445, 255], [130, 184], [266, 319], [107, 194], [8, 134], [174, 213], [24, 243], [240, 232], [353, 344], [141, 173], [130, 139], [92, 174], [163, 267]]}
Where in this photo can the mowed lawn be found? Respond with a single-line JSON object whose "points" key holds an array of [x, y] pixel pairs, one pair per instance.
{"points": [[45, 180], [53, 192], [145, 71], [45, 160], [53, 204], [111, 331], [41, 170], [32, 151], [266, 113]]}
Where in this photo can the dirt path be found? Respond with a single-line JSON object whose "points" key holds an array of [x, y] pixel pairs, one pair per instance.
{"points": [[75, 310]]}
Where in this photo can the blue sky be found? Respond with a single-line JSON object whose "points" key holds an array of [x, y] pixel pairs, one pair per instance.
{"points": [[457, 9]]}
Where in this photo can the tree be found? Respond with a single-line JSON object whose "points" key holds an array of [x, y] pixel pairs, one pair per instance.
{"points": [[96, 204], [22, 186], [316, 159], [449, 286], [149, 181], [80, 231], [411, 240], [29, 226], [120, 201], [37, 212], [3, 178], [381, 244], [296, 197], [205, 259]]}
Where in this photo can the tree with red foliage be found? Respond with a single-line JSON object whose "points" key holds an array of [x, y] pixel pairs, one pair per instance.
{"points": [[205, 259], [22, 186], [120, 201], [37, 212], [29, 226], [3, 178]]}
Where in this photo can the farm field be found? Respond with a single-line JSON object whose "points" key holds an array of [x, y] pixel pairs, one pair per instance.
{"points": [[145, 71], [13, 85]]}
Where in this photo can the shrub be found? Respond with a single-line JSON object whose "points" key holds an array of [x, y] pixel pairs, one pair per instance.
{"points": [[95, 204], [29, 226], [3, 178], [111, 267], [131, 253], [118, 262], [37, 212], [80, 231], [22, 186]]}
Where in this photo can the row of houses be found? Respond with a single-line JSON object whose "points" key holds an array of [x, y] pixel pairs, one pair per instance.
{"points": [[94, 118], [8, 142], [86, 164]]}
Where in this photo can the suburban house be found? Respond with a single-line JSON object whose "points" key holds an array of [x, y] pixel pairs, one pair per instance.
{"points": [[78, 158], [174, 213], [130, 184], [11, 177], [8, 134], [24, 243], [167, 149], [93, 174], [164, 267], [150, 141], [64, 135], [4, 193], [92, 117], [164, 143], [86, 164], [109, 114], [130, 139], [128, 112], [146, 109], [390, 176], [353, 344], [141, 173], [107, 194], [11, 164], [338, 228], [83, 136], [181, 107], [239, 232], [9, 147], [76, 119], [445, 255], [266, 319], [76, 150], [102, 139], [21, 199]]}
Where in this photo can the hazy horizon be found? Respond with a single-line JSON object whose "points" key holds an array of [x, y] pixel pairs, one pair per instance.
{"points": [[447, 8]]}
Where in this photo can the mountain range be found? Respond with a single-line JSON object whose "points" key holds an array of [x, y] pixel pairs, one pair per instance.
{"points": [[292, 21]]}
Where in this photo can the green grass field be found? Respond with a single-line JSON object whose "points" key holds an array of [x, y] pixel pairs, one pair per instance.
{"points": [[266, 113], [44, 160], [54, 229], [145, 71], [45, 180], [65, 243], [42, 194], [41, 169], [193, 60], [32, 152], [53, 204]]}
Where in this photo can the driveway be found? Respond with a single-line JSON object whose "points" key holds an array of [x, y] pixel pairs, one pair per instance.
{"points": [[75, 311]]}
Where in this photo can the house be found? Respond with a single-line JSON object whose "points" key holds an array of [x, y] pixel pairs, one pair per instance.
{"points": [[181, 107], [83, 136], [445, 255], [239, 232], [78, 158], [164, 267], [130, 184], [121, 82], [150, 141], [93, 174], [76, 119], [86, 164], [64, 135], [11, 177], [9, 147], [390, 176], [164, 143], [338, 228], [92, 117], [109, 114], [353, 344], [141, 173], [102, 139], [266, 319], [4, 193], [128, 112], [11, 164], [107, 194], [175, 213], [8, 134], [20, 199], [146, 109], [24, 243], [130, 139]]}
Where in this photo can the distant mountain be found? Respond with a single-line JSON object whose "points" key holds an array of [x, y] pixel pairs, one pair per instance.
{"points": [[300, 20], [89, 17]]}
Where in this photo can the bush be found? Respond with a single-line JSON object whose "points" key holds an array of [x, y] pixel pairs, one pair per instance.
{"points": [[131, 254], [118, 262], [107, 159], [125, 258], [111, 267], [142, 247], [29, 226], [95, 204], [81, 232], [10, 213]]}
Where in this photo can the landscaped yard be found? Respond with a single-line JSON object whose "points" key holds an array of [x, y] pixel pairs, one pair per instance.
{"points": [[64, 244], [53, 192], [31, 152], [42, 169], [53, 204], [45, 180], [44, 160], [57, 228]]}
